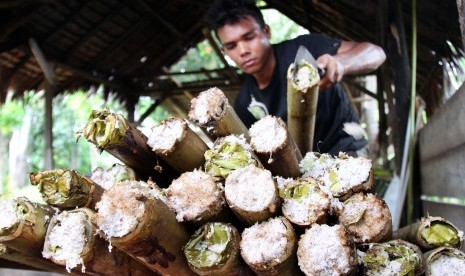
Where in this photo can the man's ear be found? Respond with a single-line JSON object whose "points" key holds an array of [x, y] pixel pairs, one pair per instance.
{"points": [[267, 31]]}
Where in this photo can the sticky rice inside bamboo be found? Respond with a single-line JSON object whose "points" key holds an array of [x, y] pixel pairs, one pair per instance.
{"points": [[67, 239], [323, 250], [208, 106], [193, 195], [453, 265], [119, 210], [250, 188], [164, 136], [265, 241], [9, 216], [315, 164], [267, 135], [108, 178]]}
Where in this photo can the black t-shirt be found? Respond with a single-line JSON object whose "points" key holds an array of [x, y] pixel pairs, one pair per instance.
{"points": [[333, 109]]}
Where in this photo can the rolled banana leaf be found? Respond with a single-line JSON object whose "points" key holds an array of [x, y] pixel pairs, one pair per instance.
{"points": [[444, 260], [431, 232], [211, 111], [367, 218], [72, 241], [302, 99], [135, 220], [178, 145], [228, 154], [66, 189], [23, 225], [214, 250], [303, 202], [269, 247], [271, 141], [396, 257], [112, 133]]}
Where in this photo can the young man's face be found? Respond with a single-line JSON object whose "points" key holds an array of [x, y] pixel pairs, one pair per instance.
{"points": [[247, 44]]}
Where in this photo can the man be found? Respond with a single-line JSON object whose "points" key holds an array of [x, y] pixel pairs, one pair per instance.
{"points": [[245, 38]]}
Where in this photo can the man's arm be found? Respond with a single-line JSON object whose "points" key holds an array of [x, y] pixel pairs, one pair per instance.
{"points": [[351, 58]]}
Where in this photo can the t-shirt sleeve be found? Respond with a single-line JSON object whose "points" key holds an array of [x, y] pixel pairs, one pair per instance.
{"points": [[319, 44]]}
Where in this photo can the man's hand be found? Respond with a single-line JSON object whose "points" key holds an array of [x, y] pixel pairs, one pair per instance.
{"points": [[334, 71]]}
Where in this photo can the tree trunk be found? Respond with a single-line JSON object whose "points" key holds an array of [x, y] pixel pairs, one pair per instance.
{"points": [[3, 160]]}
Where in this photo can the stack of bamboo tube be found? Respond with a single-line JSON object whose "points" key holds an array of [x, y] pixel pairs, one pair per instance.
{"points": [[249, 205]]}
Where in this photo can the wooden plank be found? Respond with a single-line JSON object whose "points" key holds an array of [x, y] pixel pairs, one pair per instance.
{"points": [[444, 175], [454, 213], [445, 131]]}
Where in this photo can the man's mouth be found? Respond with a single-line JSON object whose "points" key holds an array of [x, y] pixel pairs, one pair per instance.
{"points": [[249, 63]]}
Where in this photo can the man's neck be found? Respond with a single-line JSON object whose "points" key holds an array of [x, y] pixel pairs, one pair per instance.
{"points": [[263, 78]]}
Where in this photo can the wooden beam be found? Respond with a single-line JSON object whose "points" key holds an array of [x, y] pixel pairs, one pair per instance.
{"points": [[461, 9], [17, 21], [160, 19], [7, 4], [42, 61]]}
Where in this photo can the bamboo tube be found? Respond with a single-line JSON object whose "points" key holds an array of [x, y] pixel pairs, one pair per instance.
{"points": [[269, 248], [214, 250], [211, 111], [23, 225], [132, 219], [396, 257], [107, 178], [302, 99], [66, 189], [195, 197], [32, 261], [444, 261], [431, 232], [178, 145], [228, 154], [367, 218], [252, 195], [303, 202], [72, 241], [112, 133], [341, 176], [326, 250], [271, 141]]}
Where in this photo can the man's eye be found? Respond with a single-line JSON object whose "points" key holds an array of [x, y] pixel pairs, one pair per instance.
{"points": [[229, 46], [250, 36]]}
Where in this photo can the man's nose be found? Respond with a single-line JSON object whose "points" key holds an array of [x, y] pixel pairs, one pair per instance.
{"points": [[244, 48]]}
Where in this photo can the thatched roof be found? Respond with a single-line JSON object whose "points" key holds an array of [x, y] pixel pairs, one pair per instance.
{"points": [[127, 44]]}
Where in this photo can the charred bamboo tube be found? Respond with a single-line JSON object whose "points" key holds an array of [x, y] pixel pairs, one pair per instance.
{"points": [[214, 250], [396, 257], [72, 241], [112, 133], [342, 176], [251, 194], [302, 99], [444, 259], [431, 232], [326, 250], [303, 202], [23, 225], [367, 218], [211, 111], [195, 197], [178, 145], [228, 154], [271, 141], [31, 261], [269, 247], [66, 189], [133, 220], [107, 178]]}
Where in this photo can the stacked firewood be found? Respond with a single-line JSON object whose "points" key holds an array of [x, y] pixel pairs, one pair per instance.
{"points": [[250, 204]]}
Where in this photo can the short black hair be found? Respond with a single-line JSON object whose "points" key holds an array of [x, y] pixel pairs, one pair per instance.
{"points": [[223, 12]]}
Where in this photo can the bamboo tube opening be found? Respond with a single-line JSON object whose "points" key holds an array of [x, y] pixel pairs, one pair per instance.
{"points": [[367, 217], [269, 247], [445, 259], [326, 250], [441, 233], [252, 194], [10, 223], [195, 197], [107, 178], [303, 202]]}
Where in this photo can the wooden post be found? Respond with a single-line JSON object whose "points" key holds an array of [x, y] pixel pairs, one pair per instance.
{"points": [[461, 9], [49, 94]]}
